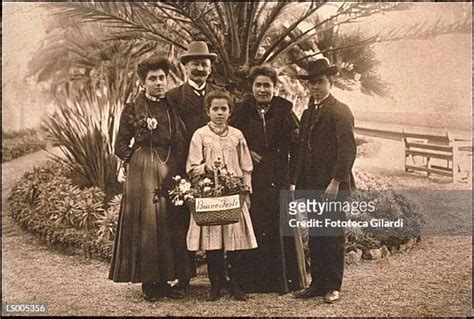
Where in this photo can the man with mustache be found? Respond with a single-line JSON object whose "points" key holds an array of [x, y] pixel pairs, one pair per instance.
{"points": [[188, 99], [326, 154]]}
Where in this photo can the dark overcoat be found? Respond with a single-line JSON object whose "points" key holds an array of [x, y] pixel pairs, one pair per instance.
{"points": [[277, 264], [327, 147], [327, 150]]}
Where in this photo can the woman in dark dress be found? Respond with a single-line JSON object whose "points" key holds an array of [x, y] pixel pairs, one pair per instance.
{"points": [[150, 244], [270, 128]]}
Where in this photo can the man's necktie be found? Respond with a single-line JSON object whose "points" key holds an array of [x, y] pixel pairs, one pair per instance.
{"points": [[200, 92]]}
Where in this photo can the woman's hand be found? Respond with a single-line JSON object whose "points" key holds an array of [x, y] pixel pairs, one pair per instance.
{"points": [[332, 190], [247, 200], [257, 158], [122, 175], [292, 190]]}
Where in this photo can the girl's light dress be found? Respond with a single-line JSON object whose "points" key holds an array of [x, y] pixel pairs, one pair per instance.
{"points": [[231, 150]]}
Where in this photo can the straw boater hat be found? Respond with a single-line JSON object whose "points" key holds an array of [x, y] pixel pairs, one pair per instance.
{"points": [[319, 67], [197, 49]]}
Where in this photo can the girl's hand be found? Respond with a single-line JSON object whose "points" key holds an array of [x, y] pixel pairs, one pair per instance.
{"points": [[209, 168]]}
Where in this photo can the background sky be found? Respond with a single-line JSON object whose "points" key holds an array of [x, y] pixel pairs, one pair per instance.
{"points": [[430, 80]]}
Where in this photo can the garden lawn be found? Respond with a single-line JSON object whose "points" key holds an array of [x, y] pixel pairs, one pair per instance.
{"points": [[432, 279]]}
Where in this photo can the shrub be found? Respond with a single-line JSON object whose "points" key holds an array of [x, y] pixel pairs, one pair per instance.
{"points": [[107, 222], [64, 207], [390, 205], [85, 125], [46, 203], [90, 203], [18, 143]]}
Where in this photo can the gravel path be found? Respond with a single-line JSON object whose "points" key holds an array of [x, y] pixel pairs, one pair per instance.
{"points": [[433, 279]]}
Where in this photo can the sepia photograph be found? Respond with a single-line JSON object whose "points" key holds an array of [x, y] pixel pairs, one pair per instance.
{"points": [[242, 158]]}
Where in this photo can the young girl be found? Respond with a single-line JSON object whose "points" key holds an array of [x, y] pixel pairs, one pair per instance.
{"points": [[217, 141]]}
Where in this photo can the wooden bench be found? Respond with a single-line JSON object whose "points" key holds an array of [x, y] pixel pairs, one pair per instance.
{"points": [[436, 154]]}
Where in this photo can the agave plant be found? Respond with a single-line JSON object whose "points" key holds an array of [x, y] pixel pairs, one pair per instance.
{"points": [[49, 193], [66, 208], [108, 219], [85, 123], [90, 207]]}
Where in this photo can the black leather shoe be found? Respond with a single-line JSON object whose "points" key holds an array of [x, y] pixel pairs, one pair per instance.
{"points": [[181, 286], [238, 294], [150, 298], [167, 291], [150, 291], [214, 294], [307, 293]]}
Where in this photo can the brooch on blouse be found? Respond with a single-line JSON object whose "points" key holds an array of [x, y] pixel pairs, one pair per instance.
{"points": [[152, 123]]}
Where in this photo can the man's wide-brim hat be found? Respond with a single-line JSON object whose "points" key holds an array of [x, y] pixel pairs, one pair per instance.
{"points": [[317, 68], [197, 50]]}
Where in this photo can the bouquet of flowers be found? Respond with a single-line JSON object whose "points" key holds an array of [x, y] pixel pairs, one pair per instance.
{"points": [[214, 199]]}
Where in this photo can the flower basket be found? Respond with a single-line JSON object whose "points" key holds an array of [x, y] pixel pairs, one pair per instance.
{"points": [[211, 211], [213, 199]]}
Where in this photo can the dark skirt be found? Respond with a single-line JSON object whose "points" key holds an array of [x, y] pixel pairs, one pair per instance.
{"points": [[150, 243], [278, 263]]}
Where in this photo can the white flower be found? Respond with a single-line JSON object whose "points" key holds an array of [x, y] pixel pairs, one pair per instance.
{"points": [[152, 123], [207, 189], [185, 187], [177, 178], [179, 202], [206, 181]]}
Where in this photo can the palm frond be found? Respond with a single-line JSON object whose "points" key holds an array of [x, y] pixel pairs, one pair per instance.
{"points": [[131, 17], [262, 31], [276, 42]]}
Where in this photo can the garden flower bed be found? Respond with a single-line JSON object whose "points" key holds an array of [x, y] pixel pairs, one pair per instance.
{"points": [[46, 203], [16, 144], [81, 221]]}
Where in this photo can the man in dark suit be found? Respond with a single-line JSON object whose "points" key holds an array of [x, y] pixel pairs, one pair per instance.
{"points": [[188, 99], [326, 154]]}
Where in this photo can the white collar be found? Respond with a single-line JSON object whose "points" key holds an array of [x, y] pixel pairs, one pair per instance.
{"points": [[195, 86], [153, 98], [319, 103]]}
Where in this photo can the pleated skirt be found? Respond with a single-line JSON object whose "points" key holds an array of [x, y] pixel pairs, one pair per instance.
{"points": [[150, 243]]}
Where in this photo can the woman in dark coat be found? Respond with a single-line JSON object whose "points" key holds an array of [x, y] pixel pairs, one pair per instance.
{"points": [[150, 244], [270, 128]]}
